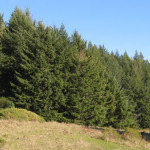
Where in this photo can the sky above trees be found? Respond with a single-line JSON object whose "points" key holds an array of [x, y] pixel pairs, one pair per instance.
{"points": [[121, 25]]}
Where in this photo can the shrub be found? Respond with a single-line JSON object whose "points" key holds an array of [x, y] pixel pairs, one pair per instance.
{"points": [[2, 142], [110, 134], [6, 103], [131, 135], [19, 114]]}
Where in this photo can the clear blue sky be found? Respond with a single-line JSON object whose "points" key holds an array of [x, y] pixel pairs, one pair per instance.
{"points": [[122, 25]]}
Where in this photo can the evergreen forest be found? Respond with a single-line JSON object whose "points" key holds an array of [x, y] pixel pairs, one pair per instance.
{"points": [[65, 79]]}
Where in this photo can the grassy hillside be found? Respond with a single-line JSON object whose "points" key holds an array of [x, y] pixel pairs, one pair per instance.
{"points": [[27, 135]]}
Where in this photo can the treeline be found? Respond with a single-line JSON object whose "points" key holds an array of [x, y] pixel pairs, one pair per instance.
{"points": [[65, 78]]}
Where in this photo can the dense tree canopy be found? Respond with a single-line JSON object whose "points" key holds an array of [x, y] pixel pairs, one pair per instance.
{"points": [[63, 78]]}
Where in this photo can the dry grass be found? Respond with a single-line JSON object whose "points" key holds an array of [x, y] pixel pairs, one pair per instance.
{"points": [[53, 136], [43, 136]]}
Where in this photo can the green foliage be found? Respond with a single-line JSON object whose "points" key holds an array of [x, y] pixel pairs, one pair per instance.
{"points": [[19, 114], [92, 85], [6, 103], [119, 112]]}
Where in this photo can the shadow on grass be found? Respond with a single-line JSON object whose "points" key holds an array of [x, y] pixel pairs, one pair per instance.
{"points": [[146, 136]]}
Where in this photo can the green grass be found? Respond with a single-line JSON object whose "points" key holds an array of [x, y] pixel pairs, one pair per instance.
{"points": [[104, 145], [19, 114]]}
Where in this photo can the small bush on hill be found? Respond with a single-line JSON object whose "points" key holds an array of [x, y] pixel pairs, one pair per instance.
{"points": [[19, 114], [132, 135], [6, 103], [110, 134], [2, 142]]}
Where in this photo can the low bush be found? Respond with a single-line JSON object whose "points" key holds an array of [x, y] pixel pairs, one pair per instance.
{"points": [[19, 114], [6, 103], [131, 135], [110, 134], [2, 142]]}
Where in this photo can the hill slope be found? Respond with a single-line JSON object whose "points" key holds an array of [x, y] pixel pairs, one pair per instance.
{"points": [[19, 114], [51, 135]]}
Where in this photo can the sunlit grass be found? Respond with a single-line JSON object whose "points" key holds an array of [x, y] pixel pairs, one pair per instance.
{"points": [[27, 135]]}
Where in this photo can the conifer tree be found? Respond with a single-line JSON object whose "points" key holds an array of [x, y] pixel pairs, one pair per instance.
{"points": [[119, 110], [42, 77], [128, 77], [2, 57], [16, 43], [5, 63], [91, 88], [141, 91], [120, 113], [62, 68]]}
